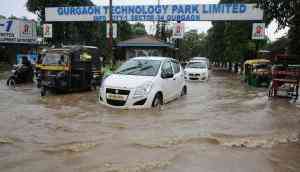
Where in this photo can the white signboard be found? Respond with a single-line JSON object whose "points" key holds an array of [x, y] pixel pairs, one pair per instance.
{"points": [[114, 31], [259, 31], [17, 31], [187, 12], [178, 31], [47, 30]]}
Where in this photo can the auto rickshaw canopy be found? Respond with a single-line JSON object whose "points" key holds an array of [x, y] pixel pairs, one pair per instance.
{"points": [[257, 61]]}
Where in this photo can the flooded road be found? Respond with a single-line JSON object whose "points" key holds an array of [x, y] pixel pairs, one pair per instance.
{"points": [[222, 125]]}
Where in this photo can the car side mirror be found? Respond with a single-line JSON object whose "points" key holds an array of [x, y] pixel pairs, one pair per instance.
{"points": [[167, 75]]}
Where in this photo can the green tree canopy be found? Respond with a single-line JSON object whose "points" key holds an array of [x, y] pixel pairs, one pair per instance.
{"points": [[287, 13], [193, 44], [138, 29]]}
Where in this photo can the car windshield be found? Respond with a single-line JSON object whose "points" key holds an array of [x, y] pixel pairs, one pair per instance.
{"points": [[141, 67], [200, 65], [53, 59]]}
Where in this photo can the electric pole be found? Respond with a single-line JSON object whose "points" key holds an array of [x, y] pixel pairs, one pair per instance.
{"points": [[110, 39]]}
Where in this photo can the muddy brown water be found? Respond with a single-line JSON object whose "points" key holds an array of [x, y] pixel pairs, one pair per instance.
{"points": [[222, 125]]}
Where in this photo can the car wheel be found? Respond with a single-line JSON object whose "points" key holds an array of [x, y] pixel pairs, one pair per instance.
{"points": [[157, 101], [183, 91]]}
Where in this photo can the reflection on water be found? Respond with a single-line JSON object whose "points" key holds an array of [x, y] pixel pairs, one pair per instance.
{"points": [[219, 121]]}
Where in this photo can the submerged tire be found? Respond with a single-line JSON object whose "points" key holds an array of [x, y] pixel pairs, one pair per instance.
{"points": [[183, 91], [157, 101]]}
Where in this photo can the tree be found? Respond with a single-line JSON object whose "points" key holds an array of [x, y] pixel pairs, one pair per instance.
{"points": [[193, 45], [230, 42], [88, 33], [287, 13], [138, 29], [38, 6]]}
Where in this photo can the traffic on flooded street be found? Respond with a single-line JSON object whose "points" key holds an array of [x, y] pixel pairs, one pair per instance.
{"points": [[149, 86], [221, 125]]}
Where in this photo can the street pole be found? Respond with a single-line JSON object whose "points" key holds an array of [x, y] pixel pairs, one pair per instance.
{"points": [[110, 39]]}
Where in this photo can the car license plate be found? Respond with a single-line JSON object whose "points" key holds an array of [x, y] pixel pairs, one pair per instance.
{"points": [[116, 97]]}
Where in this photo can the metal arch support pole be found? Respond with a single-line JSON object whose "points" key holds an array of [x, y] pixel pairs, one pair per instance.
{"points": [[110, 40]]}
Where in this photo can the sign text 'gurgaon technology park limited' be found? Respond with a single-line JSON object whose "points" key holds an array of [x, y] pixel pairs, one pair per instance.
{"points": [[191, 12]]}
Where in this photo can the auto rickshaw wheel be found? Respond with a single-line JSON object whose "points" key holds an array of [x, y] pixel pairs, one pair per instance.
{"points": [[43, 91]]}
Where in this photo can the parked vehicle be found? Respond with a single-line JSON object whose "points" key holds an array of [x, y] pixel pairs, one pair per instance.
{"points": [[21, 73], [71, 68], [202, 59], [143, 82], [196, 70], [257, 72], [285, 81]]}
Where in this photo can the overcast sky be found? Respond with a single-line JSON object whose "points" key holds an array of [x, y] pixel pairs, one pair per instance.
{"points": [[17, 8]]}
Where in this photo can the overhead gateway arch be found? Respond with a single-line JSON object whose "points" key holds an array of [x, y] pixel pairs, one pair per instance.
{"points": [[180, 12]]}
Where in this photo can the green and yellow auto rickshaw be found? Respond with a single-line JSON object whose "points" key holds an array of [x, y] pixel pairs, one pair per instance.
{"points": [[257, 72], [71, 68]]}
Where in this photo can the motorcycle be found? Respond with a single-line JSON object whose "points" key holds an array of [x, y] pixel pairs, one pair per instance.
{"points": [[20, 74]]}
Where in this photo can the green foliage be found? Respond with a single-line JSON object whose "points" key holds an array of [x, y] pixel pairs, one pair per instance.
{"points": [[231, 41], [279, 46], [193, 44], [138, 29], [287, 13], [88, 33], [281, 10]]}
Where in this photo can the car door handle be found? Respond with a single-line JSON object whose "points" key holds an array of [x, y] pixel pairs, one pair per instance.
{"points": [[174, 79]]}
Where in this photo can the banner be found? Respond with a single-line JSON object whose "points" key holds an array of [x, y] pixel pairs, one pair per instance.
{"points": [[259, 31], [188, 12], [114, 31], [47, 30], [17, 31], [178, 31]]}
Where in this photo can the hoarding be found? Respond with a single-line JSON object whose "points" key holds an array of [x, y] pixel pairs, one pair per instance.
{"points": [[47, 30], [114, 30], [178, 31], [258, 31], [17, 31], [187, 12]]}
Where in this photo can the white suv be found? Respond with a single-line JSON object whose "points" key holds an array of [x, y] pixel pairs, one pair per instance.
{"points": [[143, 82]]}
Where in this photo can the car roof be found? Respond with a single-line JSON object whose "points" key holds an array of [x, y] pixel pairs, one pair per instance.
{"points": [[202, 61], [198, 58], [154, 58]]}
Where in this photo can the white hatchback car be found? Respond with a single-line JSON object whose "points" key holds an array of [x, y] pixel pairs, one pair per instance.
{"points": [[143, 82], [196, 70]]}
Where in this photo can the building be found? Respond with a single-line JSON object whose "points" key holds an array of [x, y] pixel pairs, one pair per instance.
{"points": [[18, 38], [144, 46]]}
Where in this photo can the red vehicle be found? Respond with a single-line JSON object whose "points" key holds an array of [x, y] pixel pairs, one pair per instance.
{"points": [[285, 79]]}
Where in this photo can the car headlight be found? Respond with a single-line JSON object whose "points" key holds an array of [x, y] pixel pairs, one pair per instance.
{"points": [[143, 90]]}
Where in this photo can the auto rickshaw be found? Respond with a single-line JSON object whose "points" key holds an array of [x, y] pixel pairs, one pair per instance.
{"points": [[70, 68], [257, 72]]}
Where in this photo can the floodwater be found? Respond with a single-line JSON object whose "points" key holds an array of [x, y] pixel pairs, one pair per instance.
{"points": [[221, 126]]}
